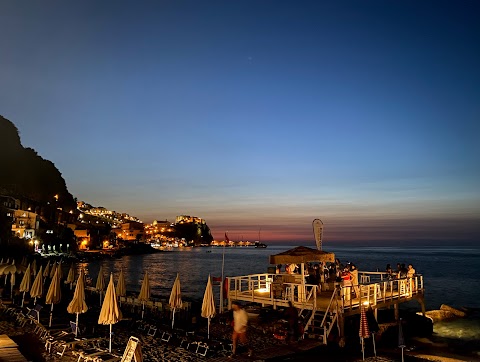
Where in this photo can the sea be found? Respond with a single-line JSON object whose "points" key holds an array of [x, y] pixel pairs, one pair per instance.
{"points": [[450, 272]]}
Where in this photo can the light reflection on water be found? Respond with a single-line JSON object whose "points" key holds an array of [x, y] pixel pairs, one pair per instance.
{"points": [[193, 264], [466, 329]]}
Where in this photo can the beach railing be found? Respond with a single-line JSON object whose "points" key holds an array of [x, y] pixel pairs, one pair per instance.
{"points": [[261, 288], [380, 290]]}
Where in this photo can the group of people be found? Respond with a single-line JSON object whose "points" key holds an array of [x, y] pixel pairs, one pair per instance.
{"points": [[323, 274], [401, 272]]}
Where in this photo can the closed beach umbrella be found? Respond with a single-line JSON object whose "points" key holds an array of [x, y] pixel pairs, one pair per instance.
{"points": [[53, 270], [59, 268], [5, 265], [46, 271], [26, 283], [71, 276], [121, 289], [175, 297], [54, 294], [8, 269], [12, 283], [401, 340], [78, 305], [36, 291], [144, 295], [100, 285], [34, 267], [208, 305], [110, 313], [364, 332]]}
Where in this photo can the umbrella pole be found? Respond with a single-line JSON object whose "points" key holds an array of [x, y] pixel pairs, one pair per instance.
{"points": [[402, 354], [173, 318], [208, 328], [143, 308], [35, 301], [110, 345], [374, 348], [23, 298], [363, 350], [51, 313], [76, 327]]}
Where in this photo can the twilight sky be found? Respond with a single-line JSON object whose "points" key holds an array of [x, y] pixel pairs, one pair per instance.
{"points": [[256, 114]]}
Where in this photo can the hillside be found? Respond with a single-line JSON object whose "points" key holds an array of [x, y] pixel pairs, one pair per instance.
{"points": [[24, 173]]}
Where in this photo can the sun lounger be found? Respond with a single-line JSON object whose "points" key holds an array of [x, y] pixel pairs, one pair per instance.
{"points": [[166, 336], [152, 330], [128, 355], [33, 315], [63, 344]]}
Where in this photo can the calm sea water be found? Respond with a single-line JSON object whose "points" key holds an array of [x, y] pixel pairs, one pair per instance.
{"points": [[450, 272]]}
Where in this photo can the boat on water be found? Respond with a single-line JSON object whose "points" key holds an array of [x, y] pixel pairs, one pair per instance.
{"points": [[259, 244]]}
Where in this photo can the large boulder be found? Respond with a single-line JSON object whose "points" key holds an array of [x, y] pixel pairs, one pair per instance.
{"points": [[454, 311], [445, 312]]}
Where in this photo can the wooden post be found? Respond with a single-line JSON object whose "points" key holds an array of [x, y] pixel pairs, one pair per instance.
{"points": [[397, 314], [422, 304], [341, 327]]}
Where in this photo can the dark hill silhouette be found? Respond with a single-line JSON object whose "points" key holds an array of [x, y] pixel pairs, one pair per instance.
{"points": [[24, 173]]}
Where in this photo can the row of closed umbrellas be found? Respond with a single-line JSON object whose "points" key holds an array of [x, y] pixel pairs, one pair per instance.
{"points": [[110, 312]]}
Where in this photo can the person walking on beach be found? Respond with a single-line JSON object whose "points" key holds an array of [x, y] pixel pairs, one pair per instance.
{"points": [[291, 315], [240, 323]]}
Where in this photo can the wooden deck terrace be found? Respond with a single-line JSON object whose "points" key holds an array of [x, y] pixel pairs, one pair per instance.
{"points": [[374, 289]]}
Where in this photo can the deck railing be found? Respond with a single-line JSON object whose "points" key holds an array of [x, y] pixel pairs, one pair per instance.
{"points": [[373, 288], [259, 288]]}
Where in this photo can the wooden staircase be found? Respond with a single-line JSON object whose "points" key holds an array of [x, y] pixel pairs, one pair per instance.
{"points": [[319, 324]]}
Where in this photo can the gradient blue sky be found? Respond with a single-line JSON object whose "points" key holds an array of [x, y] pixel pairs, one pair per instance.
{"points": [[256, 114]]}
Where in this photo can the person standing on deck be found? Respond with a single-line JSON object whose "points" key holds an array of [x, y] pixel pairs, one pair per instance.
{"points": [[240, 323], [346, 283], [410, 276], [354, 273]]}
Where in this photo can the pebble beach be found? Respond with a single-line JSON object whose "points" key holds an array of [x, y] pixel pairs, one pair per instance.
{"points": [[155, 348]]}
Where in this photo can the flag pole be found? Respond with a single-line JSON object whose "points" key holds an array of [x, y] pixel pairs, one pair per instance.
{"points": [[223, 267], [223, 254]]}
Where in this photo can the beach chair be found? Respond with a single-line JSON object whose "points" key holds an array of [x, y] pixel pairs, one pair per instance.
{"points": [[166, 336], [3, 307], [202, 348], [90, 351], [71, 341], [33, 315], [59, 337], [132, 353], [152, 330]]}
